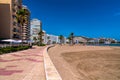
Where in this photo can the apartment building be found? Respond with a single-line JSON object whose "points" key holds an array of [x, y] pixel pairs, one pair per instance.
{"points": [[9, 28], [35, 29], [80, 39], [51, 39], [26, 27]]}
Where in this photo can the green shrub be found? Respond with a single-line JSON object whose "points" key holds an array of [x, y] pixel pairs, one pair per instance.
{"points": [[1, 52], [41, 45], [6, 50], [20, 48], [26, 47], [12, 49]]}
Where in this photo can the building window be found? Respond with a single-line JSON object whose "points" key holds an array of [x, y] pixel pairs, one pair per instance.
{"points": [[14, 16], [14, 30], [14, 10], [16, 36], [19, 7], [14, 23]]}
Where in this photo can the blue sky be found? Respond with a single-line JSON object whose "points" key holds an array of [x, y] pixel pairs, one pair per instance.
{"points": [[91, 18]]}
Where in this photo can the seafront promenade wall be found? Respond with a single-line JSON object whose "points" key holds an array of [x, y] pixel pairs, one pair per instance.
{"points": [[50, 70]]}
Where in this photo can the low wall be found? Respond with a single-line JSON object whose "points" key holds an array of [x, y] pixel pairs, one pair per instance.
{"points": [[50, 70]]}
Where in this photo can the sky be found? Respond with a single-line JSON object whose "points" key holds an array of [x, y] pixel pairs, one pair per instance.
{"points": [[90, 18]]}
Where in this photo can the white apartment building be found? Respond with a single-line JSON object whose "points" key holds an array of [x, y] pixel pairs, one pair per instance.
{"points": [[35, 28], [51, 39]]}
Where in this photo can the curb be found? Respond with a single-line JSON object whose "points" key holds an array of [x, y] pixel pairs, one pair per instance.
{"points": [[50, 70]]}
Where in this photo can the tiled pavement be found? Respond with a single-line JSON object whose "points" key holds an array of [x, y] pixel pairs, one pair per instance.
{"points": [[23, 65]]}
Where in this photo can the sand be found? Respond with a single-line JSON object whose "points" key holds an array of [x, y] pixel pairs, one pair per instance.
{"points": [[86, 62]]}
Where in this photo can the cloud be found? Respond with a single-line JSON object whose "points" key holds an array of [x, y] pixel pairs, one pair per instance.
{"points": [[117, 14]]}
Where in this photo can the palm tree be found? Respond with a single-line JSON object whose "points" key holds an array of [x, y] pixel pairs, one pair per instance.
{"points": [[48, 39], [61, 39], [21, 18], [35, 39], [69, 39], [72, 37], [41, 33]]}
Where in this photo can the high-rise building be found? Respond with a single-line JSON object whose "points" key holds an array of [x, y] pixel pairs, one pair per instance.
{"points": [[35, 28], [26, 27], [9, 28]]}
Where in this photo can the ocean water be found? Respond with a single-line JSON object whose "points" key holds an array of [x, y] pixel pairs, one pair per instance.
{"points": [[118, 45], [112, 45]]}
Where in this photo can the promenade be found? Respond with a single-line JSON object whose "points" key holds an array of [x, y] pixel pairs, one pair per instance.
{"points": [[23, 65]]}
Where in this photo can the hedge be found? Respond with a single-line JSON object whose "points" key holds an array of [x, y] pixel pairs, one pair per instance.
{"points": [[12, 49]]}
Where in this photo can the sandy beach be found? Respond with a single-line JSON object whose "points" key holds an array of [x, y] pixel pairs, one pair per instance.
{"points": [[86, 62]]}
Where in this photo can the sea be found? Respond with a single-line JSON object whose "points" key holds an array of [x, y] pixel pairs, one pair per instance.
{"points": [[117, 45]]}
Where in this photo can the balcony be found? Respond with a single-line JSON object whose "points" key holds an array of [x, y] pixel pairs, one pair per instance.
{"points": [[14, 16], [14, 23], [16, 30], [14, 10], [19, 7], [16, 36]]}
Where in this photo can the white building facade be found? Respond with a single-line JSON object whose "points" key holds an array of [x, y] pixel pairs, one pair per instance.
{"points": [[51, 39], [35, 28]]}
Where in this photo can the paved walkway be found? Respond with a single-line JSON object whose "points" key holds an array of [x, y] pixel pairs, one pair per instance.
{"points": [[23, 65]]}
